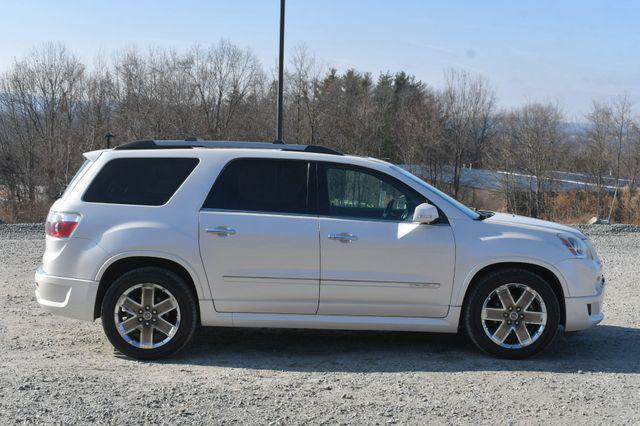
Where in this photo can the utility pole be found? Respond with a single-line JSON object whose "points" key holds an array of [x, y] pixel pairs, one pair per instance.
{"points": [[279, 137]]}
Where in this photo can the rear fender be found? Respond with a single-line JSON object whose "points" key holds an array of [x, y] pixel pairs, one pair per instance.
{"points": [[202, 291]]}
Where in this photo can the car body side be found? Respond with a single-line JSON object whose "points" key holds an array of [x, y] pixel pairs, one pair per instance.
{"points": [[74, 269]]}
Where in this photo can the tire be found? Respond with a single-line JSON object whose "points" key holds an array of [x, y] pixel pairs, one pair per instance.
{"points": [[487, 327], [154, 333]]}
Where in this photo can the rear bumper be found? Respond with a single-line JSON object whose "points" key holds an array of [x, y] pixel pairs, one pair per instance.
{"points": [[68, 297], [584, 312]]}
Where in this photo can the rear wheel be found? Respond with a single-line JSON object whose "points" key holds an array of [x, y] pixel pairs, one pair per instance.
{"points": [[512, 313], [149, 313]]}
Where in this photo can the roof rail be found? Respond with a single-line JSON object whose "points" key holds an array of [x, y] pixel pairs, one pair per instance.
{"points": [[190, 143]]}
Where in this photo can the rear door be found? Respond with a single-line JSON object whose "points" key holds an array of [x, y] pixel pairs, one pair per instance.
{"points": [[258, 240], [374, 260]]}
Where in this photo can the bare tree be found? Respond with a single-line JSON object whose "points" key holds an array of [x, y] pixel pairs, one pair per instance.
{"points": [[632, 154], [597, 151], [531, 147], [468, 104], [224, 76], [621, 115], [41, 95]]}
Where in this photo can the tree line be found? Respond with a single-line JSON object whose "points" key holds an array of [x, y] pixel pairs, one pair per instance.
{"points": [[53, 107]]}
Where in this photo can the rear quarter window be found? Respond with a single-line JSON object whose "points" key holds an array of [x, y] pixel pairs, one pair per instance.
{"points": [[139, 181], [76, 177]]}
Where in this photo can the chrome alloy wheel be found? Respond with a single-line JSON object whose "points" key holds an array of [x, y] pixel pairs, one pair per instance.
{"points": [[514, 316], [147, 316]]}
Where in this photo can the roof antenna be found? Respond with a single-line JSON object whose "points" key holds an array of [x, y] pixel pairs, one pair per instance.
{"points": [[108, 138], [279, 138]]}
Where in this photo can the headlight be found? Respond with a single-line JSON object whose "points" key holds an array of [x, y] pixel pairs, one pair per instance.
{"points": [[575, 245]]}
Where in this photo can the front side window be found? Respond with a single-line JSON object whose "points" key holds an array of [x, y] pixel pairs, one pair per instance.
{"points": [[139, 181], [261, 185], [366, 194], [455, 203]]}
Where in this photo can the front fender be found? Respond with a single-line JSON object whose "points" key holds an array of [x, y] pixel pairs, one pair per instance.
{"points": [[462, 286]]}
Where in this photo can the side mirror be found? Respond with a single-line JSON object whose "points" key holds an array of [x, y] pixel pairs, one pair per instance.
{"points": [[425, 213]]}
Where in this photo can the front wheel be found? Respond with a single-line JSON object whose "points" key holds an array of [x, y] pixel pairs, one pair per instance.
{"points": [[149, 313], [512, 313]]}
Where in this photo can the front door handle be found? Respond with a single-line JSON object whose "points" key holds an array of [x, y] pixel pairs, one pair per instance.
{"points": [[343, 237], [221, 231]]}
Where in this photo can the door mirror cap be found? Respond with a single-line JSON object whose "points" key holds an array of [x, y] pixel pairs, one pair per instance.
{"points": [[425, 213]]}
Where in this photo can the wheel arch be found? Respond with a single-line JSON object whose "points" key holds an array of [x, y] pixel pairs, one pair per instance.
{"points": [[125, 263], [543, 272]]}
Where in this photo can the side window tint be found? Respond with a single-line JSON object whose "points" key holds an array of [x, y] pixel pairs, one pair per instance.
{"points": [[357, 193], [139, 181], [278, 186]]}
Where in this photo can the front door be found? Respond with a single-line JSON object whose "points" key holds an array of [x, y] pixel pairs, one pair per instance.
{"points": [[259, 246], [374, 260]]}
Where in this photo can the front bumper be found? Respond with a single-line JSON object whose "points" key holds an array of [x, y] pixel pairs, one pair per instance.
{"points": [[68, 297], [586, 311]]}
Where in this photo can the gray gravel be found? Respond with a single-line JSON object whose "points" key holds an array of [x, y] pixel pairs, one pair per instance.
{"points": [[54, 370]]}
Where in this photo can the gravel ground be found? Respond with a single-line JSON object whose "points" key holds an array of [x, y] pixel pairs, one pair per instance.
{"points": [[54, 370]]}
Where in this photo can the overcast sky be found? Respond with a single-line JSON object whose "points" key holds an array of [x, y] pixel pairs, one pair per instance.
{"points": [[568, 52]]}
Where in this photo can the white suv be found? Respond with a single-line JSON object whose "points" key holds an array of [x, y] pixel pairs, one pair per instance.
{"points": [[158, 237]]}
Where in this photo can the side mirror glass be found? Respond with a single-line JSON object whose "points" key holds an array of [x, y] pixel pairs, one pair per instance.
{"points": [[425, 213]]}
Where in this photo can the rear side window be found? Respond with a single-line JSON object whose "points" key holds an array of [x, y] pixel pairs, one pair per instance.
{"points": [[278, 186], [139, 181]]}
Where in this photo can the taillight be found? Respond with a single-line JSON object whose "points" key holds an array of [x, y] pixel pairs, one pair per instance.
{"points": [[61, 225]]}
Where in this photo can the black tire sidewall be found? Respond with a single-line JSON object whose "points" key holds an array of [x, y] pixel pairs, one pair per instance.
{"points": [[473, 312], [178, 288]]}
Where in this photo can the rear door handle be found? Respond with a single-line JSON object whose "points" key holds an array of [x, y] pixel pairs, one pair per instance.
{"points": [[343, 237], [221, 231]]}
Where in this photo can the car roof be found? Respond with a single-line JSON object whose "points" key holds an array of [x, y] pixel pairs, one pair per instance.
{"points": [[163, 148]]}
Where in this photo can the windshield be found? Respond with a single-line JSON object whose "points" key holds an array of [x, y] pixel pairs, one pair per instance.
{"points": [[455, 203]]}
